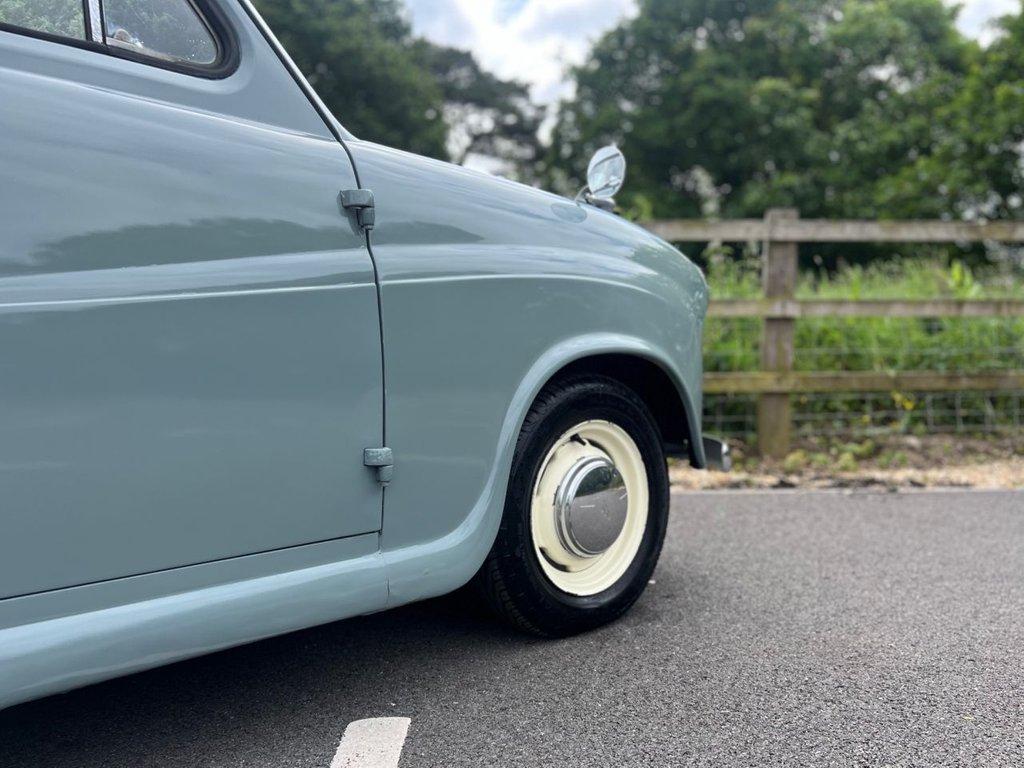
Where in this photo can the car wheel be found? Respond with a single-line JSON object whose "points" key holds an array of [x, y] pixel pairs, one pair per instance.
{"points": [[586, 510]]}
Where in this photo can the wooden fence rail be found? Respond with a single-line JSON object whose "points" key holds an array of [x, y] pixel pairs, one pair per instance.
{"points": [[795, 230], [793, 309], [780, 232], [797, 382]]}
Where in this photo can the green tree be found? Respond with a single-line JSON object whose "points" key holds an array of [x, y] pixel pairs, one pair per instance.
{"points": [[730, 107], [977, 168], [388, 86], [486, 115], [55, 17], [359, 56]]}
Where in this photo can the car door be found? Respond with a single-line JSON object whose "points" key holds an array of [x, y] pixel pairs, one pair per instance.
{"points": [[190, 354]]}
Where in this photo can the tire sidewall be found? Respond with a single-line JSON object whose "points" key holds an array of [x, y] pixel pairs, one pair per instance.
{"points": [[576, 403]]}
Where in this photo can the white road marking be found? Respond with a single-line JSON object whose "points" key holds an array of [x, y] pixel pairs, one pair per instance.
{"points": [[374, 743]]}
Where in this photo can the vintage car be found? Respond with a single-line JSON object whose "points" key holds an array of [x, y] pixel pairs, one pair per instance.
{"points": [[257, 374]]}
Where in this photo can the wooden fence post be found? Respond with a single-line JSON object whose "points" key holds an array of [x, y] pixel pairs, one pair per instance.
{"points": [[774, 411]]}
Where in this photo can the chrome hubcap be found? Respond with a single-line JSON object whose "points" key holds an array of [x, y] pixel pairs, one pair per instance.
{"points": [[590, 507]]}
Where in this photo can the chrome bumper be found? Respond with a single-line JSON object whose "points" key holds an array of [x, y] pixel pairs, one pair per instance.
{"points": [[717, 452]]}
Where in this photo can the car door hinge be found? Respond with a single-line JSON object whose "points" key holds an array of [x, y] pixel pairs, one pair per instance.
{"points": [[383, 460], [360, 202]]}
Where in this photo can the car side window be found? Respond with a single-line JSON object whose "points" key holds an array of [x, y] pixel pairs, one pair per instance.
{"points": [[63, 18], [170, 30], [173, 33]]}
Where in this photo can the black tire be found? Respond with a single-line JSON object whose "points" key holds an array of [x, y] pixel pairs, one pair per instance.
{"points": [[511, 580]]}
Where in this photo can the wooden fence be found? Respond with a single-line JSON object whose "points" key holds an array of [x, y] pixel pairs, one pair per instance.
{"points": [[780, 232]]}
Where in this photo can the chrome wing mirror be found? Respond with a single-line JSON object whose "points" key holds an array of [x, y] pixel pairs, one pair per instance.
{"points": [[605, 176]]}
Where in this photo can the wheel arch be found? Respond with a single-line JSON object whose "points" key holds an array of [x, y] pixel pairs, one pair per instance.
{"points": [[666, 397], [431, 568]]}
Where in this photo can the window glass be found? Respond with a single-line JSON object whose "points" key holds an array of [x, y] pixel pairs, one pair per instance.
{"points": [[165, 29], [55, 17]]}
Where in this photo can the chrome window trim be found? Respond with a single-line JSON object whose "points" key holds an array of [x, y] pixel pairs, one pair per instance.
{"points": [[95, 30]]}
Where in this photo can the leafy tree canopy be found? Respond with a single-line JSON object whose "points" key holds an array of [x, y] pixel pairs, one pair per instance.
{"points": [[55, 17], [357, 55], [386, 85], [860, 108], [977, 166], [487, 115]]}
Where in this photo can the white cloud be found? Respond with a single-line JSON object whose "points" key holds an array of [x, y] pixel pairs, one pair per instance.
{"points": [[977, 15], [537, 40], [534, 41]]}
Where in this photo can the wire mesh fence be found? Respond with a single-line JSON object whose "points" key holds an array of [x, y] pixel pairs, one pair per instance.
{"points": [[944, 358], [955, 345], [853, 414], [865, 344]]}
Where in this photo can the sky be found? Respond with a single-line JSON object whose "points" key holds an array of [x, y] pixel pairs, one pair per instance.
{"points": [[537, 40]]}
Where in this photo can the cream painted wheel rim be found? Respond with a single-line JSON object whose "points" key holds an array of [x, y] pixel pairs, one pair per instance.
{"points": [[602, 454]]}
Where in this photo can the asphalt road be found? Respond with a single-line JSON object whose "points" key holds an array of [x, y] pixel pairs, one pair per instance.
{"points": [[783, 629]]}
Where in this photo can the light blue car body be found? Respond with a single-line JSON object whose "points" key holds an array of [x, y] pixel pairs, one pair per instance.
{"points": [[197, 343]]}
